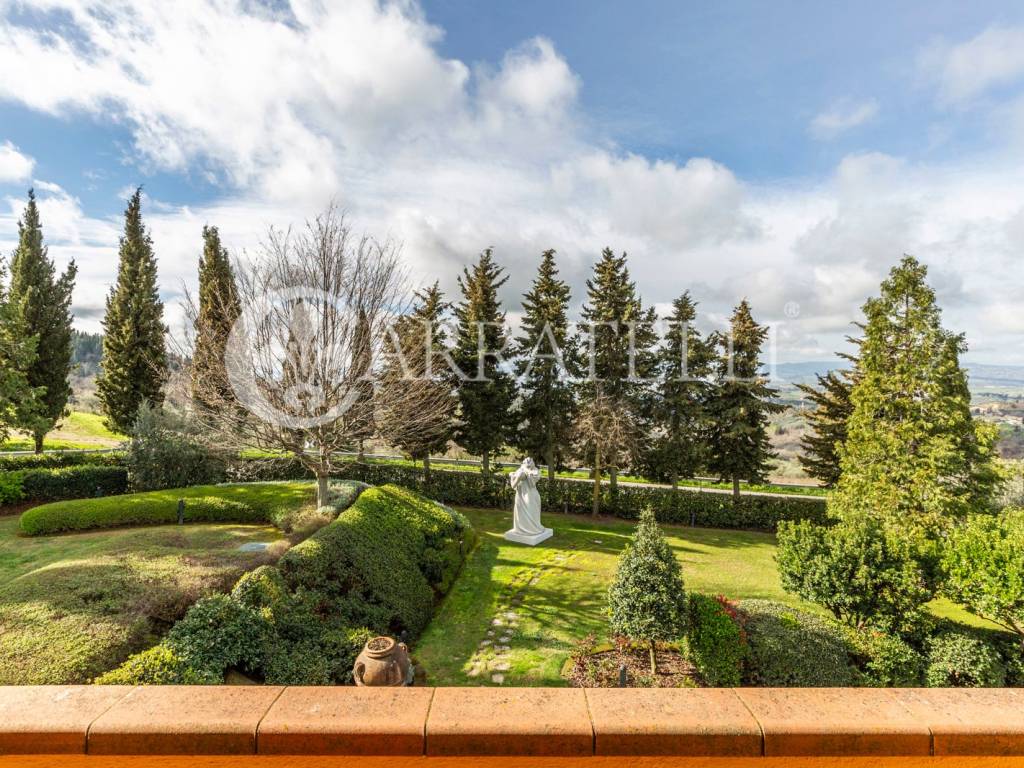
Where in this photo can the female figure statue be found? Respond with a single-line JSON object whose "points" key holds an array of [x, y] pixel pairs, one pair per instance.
{"points": [[526, 525]]}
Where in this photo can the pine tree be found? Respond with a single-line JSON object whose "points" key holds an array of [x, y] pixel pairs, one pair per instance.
{"points": [[913, 456], [419, 363], [218, 310], [17, 351], [646, 601], [684, 366], [486, 395], [827, 422], [548, 359], [43, 302], [620, 335], [134, 354], [741, 403]]}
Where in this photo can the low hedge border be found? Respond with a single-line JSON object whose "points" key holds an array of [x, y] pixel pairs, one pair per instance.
{"points": [[56, 484], [686, 506], [59, 460]]}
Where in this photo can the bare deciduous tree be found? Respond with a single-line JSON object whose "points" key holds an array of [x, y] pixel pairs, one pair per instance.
{"points": [[606, 431], [303, 362]]}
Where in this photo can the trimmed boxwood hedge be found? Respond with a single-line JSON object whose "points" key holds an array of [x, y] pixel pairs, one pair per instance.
{"points": [[58, 460], [74, 482], [380, 566], [686, 506]]}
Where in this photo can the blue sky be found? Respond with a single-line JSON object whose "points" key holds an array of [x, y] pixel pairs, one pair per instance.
{"points": [[787, 152]]}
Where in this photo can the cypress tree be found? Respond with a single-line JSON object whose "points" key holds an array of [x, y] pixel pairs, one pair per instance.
{"points": [[548, 358], [219, 308], [486, 395], [741, 403], [913, 456], [17, 351], [43, 302], [827, 422], [646, 601], [684, 366], [134, 354]]}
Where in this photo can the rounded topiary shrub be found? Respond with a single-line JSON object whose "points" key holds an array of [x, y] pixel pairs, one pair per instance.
{"points": [[792, 648], [885, 660], [716, 642], [218, 633], [963, 660], [159, 666]]}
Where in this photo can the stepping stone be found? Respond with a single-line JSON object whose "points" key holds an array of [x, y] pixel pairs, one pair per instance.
{"points": [[496, 622], [474, 671], [485, 643], [504, 638], [490, 633], [499, 679], [502, 666], [502, 648]]}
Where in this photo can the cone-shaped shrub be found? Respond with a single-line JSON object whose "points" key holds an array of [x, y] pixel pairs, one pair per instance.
{"points": [[646, 602]]}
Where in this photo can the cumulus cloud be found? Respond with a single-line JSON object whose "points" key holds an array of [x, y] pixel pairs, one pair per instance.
{"points": [[967, 70], [842, 116], [14, 166]]}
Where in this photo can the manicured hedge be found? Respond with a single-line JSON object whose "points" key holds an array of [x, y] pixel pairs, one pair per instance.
{"points": [[59, 460], [716, 641], [379, 567], [704, 509], [74, 482]]}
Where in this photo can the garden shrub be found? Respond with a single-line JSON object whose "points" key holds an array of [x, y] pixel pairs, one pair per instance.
{"points": [[857, 569], [791, 648], [716, 641], [164, 453], [960, 659], [885, 660], [10, 488], [159, 666], [473, 489], [219, 633], [59, 460], [76, 482]]}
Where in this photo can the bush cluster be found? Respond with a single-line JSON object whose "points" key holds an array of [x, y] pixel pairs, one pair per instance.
{"points": [[378, 568], [716, 642], [472, 489], [59, 460], [163, 453], [51, 477], [959, 659]]}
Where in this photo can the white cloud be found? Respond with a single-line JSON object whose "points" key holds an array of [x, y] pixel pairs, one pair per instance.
{"points": [[842, 116], [14, 166], [967, 70]]}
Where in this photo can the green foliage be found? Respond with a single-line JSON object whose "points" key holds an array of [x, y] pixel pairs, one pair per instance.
{"points": [[10, 488], [17, 355], [134, 354], [218, 310], [646, 601], [913, 456], [709, 510], [485, 404], [163, 453], [959, 659], [159, 666], [77, 482], [684, 365], [548, 355], [983, 568], [42, 302], [60, 460], [716, 642], [858, 569], [792, 648], [827, 422], [218, 633], [885, 660], [241, 503], [741, 403]]}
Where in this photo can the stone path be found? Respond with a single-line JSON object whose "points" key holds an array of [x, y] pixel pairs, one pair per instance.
{"points": [[492, 656]]}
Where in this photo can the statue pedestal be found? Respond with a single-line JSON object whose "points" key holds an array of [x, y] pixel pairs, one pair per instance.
{"points": [[529, 539]]}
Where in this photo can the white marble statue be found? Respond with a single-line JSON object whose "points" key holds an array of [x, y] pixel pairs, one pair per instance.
{"points": [[526, 525]]}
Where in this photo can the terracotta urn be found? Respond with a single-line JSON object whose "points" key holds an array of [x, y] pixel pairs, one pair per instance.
{"points": [[383, 662]]}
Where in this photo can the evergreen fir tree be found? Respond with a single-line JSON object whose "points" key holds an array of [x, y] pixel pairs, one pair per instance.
{"points": [[548, 359], [134, 354], [219, 308], [741, 403], [486, 395], [421, 363], [17, 351], [620, 340], [646, 601], [913, 457], [43, 302], [684, 367], [827, 422]]}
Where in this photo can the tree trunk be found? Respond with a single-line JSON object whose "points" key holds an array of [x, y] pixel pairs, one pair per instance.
{"points": [[675, 480], [597, 482], [361, 457], [426, 466], [613, 480], [39, 441], [322, 489], [736, 488], [654, 660], [485, 464], [550, 458]]}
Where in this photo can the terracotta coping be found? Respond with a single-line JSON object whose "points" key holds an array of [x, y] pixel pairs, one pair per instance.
{"points": [[463, 722]]}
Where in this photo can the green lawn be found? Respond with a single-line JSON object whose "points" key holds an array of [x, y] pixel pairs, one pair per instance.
{"points": [[79, 430], [572, 571], [76, 605]]}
